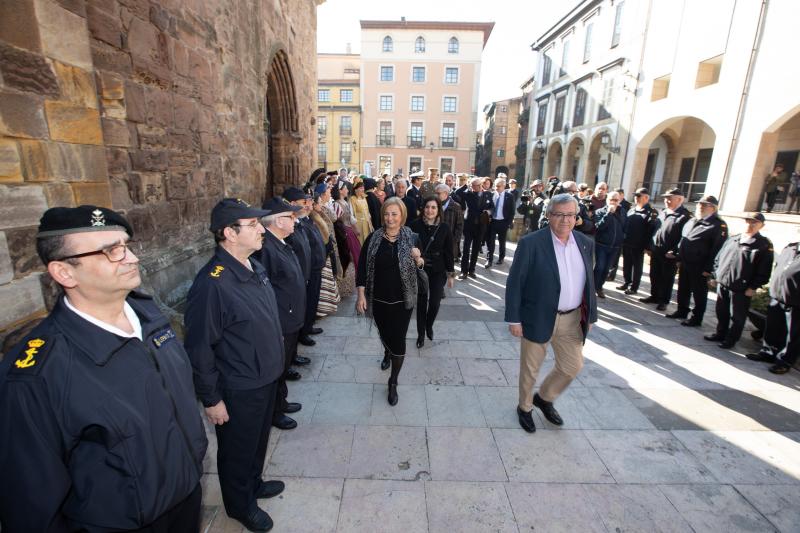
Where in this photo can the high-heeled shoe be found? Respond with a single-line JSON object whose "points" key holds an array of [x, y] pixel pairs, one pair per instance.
{"points": [[392, 394], [429, 332], [420, 342], [386, 359]]}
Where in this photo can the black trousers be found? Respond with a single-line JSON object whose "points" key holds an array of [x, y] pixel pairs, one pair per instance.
{"points": [[692, 284], [242, 446], [632, 266], [473, 235], [183, 518], [662, 277], [312, 300], [782, 333], [428, 303], [289, 348], [731, 311], [392, 321], [497, 230]]}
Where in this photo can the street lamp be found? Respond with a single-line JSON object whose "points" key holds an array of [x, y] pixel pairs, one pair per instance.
{"points": [[357, 161]]}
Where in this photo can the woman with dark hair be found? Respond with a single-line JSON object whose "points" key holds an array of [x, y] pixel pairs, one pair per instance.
{"points": [[437, 251], [387, 284], [329, 296]]}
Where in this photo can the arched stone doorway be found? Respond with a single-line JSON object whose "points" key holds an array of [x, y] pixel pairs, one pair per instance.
{"points": [[553, 162], [598, 160], [780, 144], [575, 159], [281, 128], [676, 153]]}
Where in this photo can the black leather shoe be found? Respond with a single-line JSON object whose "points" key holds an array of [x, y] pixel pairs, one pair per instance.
{"points": [[726, 344], [292, 407], [691, 323], [761, 357], [258, 520], [270, 489], [305, 340], [713, 337], [299, 360], [601, 293], [526, 421], [631, 291], [648, 300], [315, 331], [548, 410], [392, 394], [386, 361], [779, 368], [472, 275], [677, 314], [623, 287], [429, 333], [462, 276], [661, 307], [500, 261], [420, 342], [293, 375], [284, 422], [488, 264]]}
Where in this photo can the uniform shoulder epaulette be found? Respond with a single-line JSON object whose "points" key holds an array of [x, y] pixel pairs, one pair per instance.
{"points": [[216, 271], [32, 355]]}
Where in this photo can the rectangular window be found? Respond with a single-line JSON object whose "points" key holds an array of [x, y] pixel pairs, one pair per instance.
{"points": [[322, 125], [322, 151], [558, 121], [418, 74], [451, 75], [546, 67], [448, 139], [540, 121], [606, 104], [502, 130], [416, 138], [660, 88], [385, 137], [617, 25], [324, 95], [708, 72], [501, 153], [346, 95], [414, 164], [417, 103], [450, 104], [386, 102], [580, 107], [504, 109], [385, 164], [346, 125], [446, 165], [345, 151], [387, 73], [587, 43], [562, 71]]}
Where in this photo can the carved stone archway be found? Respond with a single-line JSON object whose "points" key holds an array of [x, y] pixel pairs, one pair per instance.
{"points": [[281, 127]]}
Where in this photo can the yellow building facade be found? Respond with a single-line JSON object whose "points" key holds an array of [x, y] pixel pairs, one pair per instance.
{"points": [[339, 111]]}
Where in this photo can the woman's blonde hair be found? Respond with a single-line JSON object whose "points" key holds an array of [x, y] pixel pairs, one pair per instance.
{"points": [[394, 200]]}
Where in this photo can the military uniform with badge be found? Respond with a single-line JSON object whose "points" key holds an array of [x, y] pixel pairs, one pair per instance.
{"points": [[701, 240], [99, 423], [235, 344], [740, 268]]}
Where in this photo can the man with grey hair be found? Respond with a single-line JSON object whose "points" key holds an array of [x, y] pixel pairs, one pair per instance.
{"points": [[452, 215], [550, 299], [502, 217], [478, 205]]}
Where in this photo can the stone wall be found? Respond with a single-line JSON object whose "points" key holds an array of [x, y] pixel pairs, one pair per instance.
{"points": [[157, 109]]}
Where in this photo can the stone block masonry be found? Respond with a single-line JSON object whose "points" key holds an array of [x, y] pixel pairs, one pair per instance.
{"points": [[156, 109]]}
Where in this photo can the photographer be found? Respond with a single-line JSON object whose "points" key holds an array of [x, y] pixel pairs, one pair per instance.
{"points": [[532, 205], [584, 222]]}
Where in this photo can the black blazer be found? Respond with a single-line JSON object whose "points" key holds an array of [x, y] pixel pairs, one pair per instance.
{"points": [[374, 209], [476, 202], [439, 255], [411, 210], [508, 207]]}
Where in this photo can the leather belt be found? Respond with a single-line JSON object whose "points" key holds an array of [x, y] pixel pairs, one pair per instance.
{"points": [[568, 312]]}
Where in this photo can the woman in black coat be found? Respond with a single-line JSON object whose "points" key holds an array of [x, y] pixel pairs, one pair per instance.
{"points": [[437, 250]]}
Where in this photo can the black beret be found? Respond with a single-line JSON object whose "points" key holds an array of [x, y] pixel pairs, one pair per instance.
{"points": [[58, 221]]}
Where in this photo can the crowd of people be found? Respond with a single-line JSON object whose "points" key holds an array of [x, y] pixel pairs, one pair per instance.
{"points": [[98, 402]]}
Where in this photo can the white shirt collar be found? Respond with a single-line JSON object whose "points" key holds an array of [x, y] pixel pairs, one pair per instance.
{"points": [[129, 313]]}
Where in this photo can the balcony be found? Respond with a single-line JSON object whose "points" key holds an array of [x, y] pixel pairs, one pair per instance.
{"points": [[347, 132], [322, 131], [416, 141], [448, 142], [345, 158], [384, 140]]}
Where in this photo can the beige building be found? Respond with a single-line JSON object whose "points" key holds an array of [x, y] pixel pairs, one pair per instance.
{"points": [[500, 137], [419, 82], [338, 111]]}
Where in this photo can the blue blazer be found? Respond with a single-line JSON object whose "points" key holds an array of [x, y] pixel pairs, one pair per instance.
{"points": [[534, 286]]}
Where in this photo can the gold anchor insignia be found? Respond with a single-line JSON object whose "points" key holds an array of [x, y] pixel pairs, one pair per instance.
{"points": [[33, 349], [217, 271]]}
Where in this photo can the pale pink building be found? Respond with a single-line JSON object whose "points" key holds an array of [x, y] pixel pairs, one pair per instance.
{"points": [[419, 86]]}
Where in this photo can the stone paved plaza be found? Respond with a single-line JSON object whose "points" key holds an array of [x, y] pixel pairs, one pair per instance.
{"points": [[663, 432]]}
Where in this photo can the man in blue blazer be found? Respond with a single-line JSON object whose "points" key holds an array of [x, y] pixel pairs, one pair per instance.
{"points": [[550, 298], [502, 216]]}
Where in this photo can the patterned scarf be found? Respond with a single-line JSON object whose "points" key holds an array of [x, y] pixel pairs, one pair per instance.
{"points": [[408, 270]]}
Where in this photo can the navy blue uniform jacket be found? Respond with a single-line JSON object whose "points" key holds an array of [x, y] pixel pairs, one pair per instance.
{"points": [[99, 432], [287, 281], [534, 286]]}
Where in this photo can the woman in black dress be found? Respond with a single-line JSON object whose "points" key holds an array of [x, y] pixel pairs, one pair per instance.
{"points": [[436, 242], [387, 284]]}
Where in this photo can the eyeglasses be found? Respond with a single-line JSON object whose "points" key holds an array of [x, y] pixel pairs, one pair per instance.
{"points": [[562, 216], [114, 253], [254, 224]]}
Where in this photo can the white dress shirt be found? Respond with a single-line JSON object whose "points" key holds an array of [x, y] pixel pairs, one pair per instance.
{"points": [[133, 318], [571, 271]]}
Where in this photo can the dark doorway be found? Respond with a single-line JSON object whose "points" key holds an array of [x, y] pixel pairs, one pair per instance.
{"points": [[503, 169], [649, 168]]}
